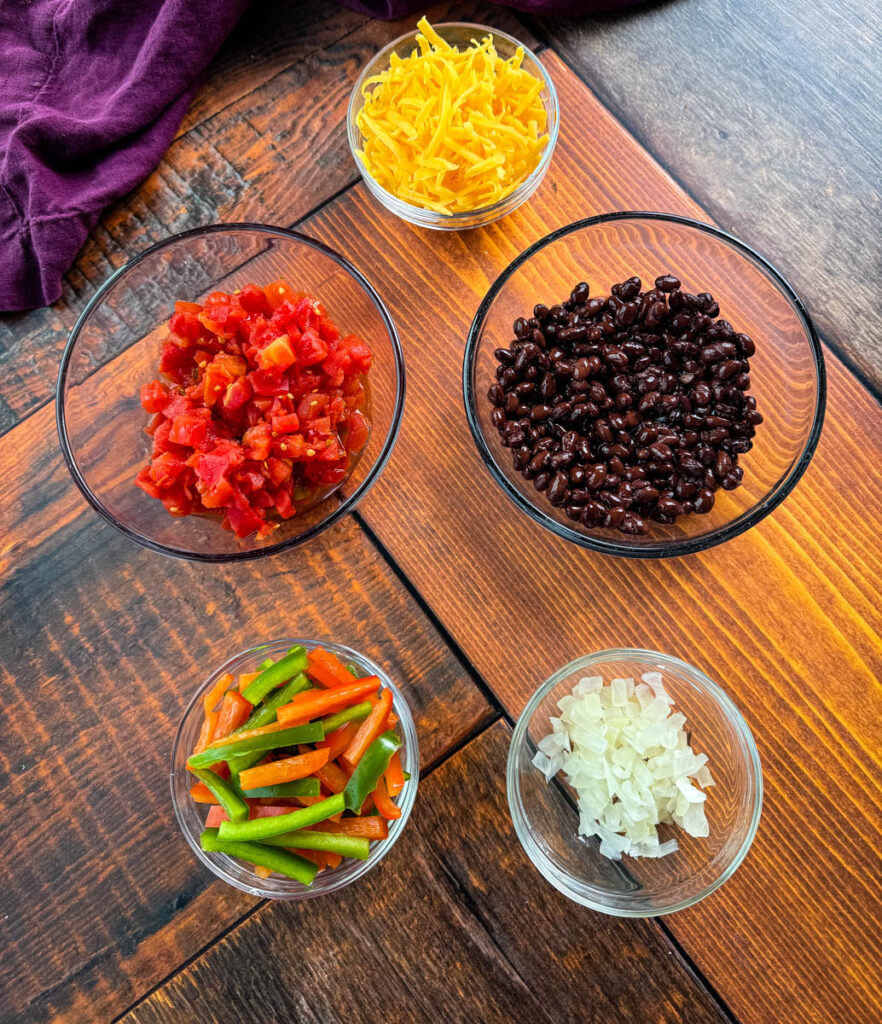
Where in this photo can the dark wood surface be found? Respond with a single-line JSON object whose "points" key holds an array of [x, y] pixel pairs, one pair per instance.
{"points": [[457, 926], [770, 115], [102, 907], [785, 616]]}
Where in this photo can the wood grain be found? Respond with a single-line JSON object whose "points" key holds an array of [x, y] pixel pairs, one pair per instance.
{"points": [[266, 149], [457, 924], [103, 644], [768, 114], [786, 616]]}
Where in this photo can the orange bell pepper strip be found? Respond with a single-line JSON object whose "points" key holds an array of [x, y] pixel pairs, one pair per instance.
{"points": [[216, 692], [327, 669], [245, 678], [384, 805], [333, 777], [206, 732], [370, 827], [286, 770], [368, 731], [233, 713], [313, 703], [394, 776], [201, 794], [339, 740], [261, 871]]}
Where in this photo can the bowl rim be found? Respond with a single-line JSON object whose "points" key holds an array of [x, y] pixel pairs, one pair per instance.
{"points": [[485, 214], [344, 507], [670, 547], [290, 889], [655, 659]]}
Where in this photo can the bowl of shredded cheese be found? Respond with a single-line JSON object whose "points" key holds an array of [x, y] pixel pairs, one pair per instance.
{"points": [[634, 783], [453, 126]]}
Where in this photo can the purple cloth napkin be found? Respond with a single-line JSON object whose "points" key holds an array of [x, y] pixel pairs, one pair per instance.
{"points": [[91, 94]]}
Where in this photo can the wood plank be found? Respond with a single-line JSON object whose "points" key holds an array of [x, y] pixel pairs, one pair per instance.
{"points": [[456, 923], [270, 146], [103, 644], [768, 114], [786, 617]]}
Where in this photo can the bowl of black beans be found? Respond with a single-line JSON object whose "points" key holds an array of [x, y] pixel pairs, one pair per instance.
{"points": [[643, 384]]}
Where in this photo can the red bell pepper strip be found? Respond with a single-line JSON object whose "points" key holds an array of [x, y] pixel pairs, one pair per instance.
{"points": [[394, 776], [234, 711]]}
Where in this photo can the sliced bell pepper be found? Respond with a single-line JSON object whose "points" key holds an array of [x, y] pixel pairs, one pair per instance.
{"points": [[268, 738], [357, 713], [370, 767], [285, 790], [327, 842], [293, 662], [369, 827], [216, 692], [235, 709], [201, 794], [327, 669], [228, 798], [368, 731], [306, 706], [339, 740], [280, 861], [394, 775], [332, 777], [286, 770], [259, 828], [384, 805]]}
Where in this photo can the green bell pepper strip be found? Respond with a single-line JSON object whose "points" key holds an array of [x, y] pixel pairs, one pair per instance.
{"points": [[354, 714], [353, 669], [265, 714], [373, 763], [281, 861], [329, 842], [302, 787], [227, 795], [260, 828], [232, 747], [293, 662]]}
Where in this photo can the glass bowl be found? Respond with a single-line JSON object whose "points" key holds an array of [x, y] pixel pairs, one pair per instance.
{"points": [[191, 815], [546, 820], [114, 349], [460, 34], [787, 371]]}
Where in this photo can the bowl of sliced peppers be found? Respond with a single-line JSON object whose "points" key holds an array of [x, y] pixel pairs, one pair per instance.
{"points": [[294, 769]]}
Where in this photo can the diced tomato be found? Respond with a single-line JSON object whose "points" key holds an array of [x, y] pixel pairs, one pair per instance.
{"points": [[188, 430], [266, 383], [253, 299], [257, 441], [357, 431], [237, 395], [260, 407], [154, 396], [286, 424], [279, 354], [311, 349]]}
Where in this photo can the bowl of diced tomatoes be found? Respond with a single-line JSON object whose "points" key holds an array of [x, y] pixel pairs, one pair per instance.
{"points": [[230, 392], [294, 768]]}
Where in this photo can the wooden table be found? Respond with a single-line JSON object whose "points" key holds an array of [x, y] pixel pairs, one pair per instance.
{"points": [[104, 913]]}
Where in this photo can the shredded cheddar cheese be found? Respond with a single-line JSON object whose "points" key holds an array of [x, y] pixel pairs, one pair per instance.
{"points": [[452, 130]]}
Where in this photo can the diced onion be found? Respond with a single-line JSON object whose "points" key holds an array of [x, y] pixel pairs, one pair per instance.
{"points": [[626, 753]]}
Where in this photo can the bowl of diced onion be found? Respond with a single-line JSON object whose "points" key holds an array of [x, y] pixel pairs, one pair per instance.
{"points": [[634, 783], [453, 126]]}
